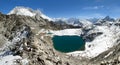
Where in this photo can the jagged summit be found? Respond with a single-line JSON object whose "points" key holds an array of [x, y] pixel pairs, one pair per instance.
{"points": [[20, 10], [108, 18], [105, 21], [74, 21]]}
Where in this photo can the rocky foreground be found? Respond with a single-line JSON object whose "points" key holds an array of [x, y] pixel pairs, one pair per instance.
{"points": [[23, 43]]}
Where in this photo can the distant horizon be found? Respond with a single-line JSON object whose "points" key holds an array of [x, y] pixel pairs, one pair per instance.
{"points": [[67, 8], [65, 17]]}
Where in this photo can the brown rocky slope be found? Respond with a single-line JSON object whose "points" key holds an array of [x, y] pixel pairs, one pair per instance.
{"points": [[20, 32]]}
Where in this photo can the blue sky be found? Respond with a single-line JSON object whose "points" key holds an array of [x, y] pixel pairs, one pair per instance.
{"points": [[67, 8]]}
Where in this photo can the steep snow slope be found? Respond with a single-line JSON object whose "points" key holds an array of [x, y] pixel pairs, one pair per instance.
{"points": [[28, 12]]}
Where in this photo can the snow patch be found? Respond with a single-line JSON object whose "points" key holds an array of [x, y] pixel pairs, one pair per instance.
{"points": [[24, 61], [9, 60], [109, 54], [69, 32]]}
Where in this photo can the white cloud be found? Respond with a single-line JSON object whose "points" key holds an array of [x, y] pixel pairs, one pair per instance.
{"points": [[94, 7]]}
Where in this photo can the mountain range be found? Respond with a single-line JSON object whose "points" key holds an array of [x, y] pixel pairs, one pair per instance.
{"points": [[24, 39]]}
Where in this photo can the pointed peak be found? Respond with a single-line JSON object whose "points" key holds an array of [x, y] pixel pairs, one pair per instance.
{"points": [[20, 10], [108, 18]]}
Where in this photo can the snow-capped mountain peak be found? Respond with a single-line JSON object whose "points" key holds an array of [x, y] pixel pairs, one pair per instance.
{"points": [[19, 10], [74, 21], [108, 18]]}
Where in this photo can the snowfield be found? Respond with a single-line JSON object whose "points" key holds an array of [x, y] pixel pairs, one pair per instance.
{"points": [[69, 32], [100, 43], [9, 60]]}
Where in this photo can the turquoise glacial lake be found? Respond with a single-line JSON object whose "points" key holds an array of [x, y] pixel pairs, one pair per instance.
{"points": [[68, 43]]}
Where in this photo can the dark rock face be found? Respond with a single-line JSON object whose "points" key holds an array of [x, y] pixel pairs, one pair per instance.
{"points": [[90, 37], [117, 24]]}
